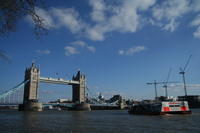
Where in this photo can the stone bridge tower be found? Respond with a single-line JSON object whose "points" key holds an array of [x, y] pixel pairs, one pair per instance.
{"points": [[30, 101], [31, 88], [79, 89]]}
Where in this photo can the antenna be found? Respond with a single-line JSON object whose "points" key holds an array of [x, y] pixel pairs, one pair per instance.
{"points": [[182, 71]]}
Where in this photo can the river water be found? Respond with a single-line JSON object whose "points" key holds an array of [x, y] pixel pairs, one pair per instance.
{"points": [[112, 121]]}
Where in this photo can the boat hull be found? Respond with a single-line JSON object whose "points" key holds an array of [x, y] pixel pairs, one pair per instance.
{"points": [[162, 108], [160, 113]]}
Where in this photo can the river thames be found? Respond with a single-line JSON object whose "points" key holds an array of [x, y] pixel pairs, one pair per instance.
{"points": [[113, 121]]}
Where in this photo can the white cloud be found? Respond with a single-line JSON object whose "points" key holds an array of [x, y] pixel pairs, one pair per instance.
{"points": [[55, 18], [170, 11], [48, 21], [121, 52], [122, 17], [125, 19], [132, 50], [195, 5], [197, 33], [196, 23], [43, 52], [153, 22], [98, 10], [69, 18], [126, 16], [97, 33], [46, 17], [181, 86], [79, 43], [91, 49], [69, 50], [171, 26], [77, 47]]}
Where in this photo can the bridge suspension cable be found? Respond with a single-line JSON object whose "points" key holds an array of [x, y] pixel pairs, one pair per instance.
{"points": [[12, 95]]}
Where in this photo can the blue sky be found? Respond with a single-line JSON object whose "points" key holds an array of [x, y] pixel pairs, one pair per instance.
{"points": [[119, 45]]}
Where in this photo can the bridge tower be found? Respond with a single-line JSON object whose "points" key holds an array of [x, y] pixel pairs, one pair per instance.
{"points": [[79, 89], [30, 101], [31, 88], [79, 93]]}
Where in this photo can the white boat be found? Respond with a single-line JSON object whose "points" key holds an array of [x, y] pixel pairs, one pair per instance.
{"points": [[161, 108]]}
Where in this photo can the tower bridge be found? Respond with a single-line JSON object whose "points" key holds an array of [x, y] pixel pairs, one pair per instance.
{"points": [[26, 93], [31, 82], [32, 74]]}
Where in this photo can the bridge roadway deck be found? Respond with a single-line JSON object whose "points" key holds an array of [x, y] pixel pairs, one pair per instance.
{"points": [[58, 81]]}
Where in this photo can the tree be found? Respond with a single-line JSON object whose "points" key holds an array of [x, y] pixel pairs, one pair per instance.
{"points": [[11, 11]]}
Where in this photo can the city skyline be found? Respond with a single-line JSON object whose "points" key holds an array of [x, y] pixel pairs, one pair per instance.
{"points": [[118, 45]]}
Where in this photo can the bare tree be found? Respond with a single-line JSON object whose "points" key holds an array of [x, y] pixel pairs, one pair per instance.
{"points": [[11, 11]]}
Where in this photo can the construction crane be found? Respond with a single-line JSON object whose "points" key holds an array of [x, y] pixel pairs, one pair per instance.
{"points": [[155, 85], [165, 85], [166, 82], [182, 72]]}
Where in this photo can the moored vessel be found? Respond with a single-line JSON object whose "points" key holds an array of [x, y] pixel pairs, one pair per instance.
{"points": [[161, 108]]}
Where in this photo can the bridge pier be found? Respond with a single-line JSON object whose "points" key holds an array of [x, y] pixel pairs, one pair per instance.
{"points": [[30, 106]]}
